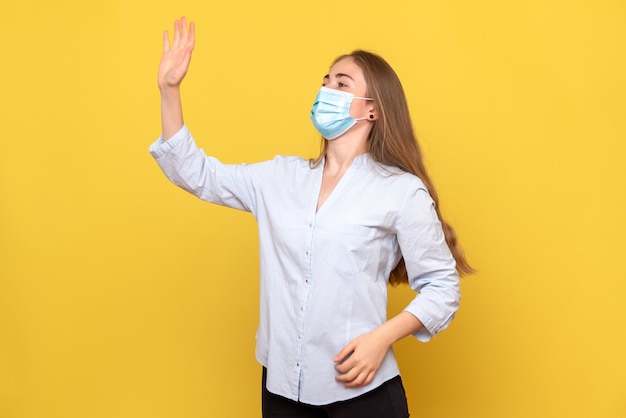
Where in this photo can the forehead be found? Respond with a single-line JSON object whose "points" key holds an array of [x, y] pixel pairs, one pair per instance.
{"points": [[349, 67]]}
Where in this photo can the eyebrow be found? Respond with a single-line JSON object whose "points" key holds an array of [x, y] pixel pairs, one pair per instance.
{"points": [[339, 75]]}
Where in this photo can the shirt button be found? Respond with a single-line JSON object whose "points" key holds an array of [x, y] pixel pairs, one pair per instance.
{"points": [[306, 252]]}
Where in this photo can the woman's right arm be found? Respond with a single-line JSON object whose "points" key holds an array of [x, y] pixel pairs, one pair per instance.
{"points": [[172, 70], [176, 152]]}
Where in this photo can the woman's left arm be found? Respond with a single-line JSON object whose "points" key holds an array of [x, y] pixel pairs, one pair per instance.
{"points": [[432, 273], [359, 361]]}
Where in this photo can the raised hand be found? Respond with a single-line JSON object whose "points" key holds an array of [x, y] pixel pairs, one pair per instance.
{"points": [[176, 58]]}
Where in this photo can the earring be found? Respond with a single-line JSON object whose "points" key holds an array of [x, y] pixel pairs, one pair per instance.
{"points": [[371, 116]]}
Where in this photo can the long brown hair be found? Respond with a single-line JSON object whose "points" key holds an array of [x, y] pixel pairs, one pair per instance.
{"points": [[392, 141]]}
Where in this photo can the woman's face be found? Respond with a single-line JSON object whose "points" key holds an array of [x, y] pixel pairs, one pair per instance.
{"points": [[347, 76]]}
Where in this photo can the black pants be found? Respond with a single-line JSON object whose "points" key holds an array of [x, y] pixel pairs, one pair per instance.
{"points": [[386, 401]]}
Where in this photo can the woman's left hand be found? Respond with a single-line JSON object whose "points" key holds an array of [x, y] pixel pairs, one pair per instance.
{"points": [[359, 361]]}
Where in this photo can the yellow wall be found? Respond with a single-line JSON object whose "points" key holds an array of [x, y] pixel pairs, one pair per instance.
{"points": [[122, 296]]}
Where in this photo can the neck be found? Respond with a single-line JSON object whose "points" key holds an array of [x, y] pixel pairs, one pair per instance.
{"points": [[339, 156], [341, 152]]}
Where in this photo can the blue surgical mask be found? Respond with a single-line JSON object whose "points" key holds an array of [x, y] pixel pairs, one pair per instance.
{"points": [[331, 112]]}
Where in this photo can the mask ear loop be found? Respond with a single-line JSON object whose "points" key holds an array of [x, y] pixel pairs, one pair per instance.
{"points": [[364, 98]]}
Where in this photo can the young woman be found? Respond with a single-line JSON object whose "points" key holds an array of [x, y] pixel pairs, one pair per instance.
{"points": [[333, 233]]}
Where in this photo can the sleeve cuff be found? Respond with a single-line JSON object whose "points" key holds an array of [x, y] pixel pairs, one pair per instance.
{"points": [[429, 330], [159, 148]]}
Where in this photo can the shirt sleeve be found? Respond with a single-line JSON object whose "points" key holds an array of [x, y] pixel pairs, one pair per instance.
{"points": [[188, 167], [430, 265]]}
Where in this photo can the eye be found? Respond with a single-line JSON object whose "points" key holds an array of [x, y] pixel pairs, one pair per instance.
{"points": [[342, 84]]}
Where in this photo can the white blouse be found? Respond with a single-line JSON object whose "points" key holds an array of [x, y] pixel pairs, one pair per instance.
{"points": [[324, 272]]}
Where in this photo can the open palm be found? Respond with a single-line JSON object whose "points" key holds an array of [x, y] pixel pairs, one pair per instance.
{"points": [[176, 57]]}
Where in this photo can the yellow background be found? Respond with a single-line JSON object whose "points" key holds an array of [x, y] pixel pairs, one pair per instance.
{"points": [[122, 296]]}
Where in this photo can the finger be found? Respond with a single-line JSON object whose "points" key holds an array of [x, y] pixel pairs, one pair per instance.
{"points": [[183, 30], [192, 34], [349, 370], [166, 42], [183, 24], [345, 352], [176, 33], [345, 366], [361, 380], [349, 377]]}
